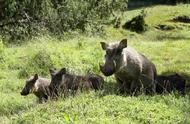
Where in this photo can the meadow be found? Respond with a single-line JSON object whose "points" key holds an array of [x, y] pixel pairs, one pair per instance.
{"points": [[168, 49]]}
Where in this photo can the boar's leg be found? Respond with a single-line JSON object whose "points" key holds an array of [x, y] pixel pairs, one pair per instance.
{"points": [[120, 86], [151, 90], [149, 84], [181, 88], [40, 100], [149, 81], [123, 87], [136, 87]]}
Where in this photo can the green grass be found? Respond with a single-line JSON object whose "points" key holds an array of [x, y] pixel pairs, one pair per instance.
{"points": [[81, 55]]}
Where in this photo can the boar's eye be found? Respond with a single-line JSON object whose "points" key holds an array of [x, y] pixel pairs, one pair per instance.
{"points": [[118, 51]]}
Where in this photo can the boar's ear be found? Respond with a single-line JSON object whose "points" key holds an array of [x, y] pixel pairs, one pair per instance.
{"points": [[123, 44], [176, 74], [51, 71], [104, 45], [36, 77], [62, 71]]}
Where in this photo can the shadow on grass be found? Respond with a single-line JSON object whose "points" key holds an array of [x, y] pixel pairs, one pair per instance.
{"points": [[172, 38], [109, 88]]}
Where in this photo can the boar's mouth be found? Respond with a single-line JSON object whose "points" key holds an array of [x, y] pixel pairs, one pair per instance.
{"points": [[24, 94], [106, 70]]}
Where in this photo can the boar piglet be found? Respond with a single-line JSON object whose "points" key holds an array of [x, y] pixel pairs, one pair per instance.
{"points": [[170, 83], [37, 85], [61, 81], [96, 80]]}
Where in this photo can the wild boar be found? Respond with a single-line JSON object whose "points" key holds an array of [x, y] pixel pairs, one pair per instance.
{"points": [[63, 81], [128, 66], [169, 83], [37, 85]]}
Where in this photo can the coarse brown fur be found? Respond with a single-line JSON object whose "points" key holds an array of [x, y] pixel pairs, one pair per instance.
{"points": [[38, 86], [61, 81], [169, 83]]}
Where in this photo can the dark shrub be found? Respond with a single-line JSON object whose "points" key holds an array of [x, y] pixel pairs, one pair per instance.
{"points": [[22, 19], [136, 24], [183, 18]]}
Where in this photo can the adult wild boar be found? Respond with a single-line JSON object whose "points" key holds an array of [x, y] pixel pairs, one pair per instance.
{"points": [[37, 85], [62, 81], [129, 67], [169, 83]]}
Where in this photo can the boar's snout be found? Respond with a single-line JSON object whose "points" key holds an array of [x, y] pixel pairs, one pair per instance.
{"points": [[24, 93], [21, 93], [106, 71]]}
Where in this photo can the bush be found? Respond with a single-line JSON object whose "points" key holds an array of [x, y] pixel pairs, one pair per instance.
{"points": [[39, 63], [26, 18], [136, 24]]}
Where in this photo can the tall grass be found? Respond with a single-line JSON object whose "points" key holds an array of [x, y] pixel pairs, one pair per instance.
{"points": [[82, 55]]}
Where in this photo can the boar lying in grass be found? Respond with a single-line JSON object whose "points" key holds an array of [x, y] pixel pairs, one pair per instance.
{"points": [[129, 68], [167, 84], [37, 85], [61, 81]]}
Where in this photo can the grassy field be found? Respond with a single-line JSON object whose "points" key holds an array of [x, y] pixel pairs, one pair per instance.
{"points": [[169, 50]]}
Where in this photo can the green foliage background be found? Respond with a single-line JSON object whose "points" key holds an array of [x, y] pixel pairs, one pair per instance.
{"points": [[22, 19]]}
